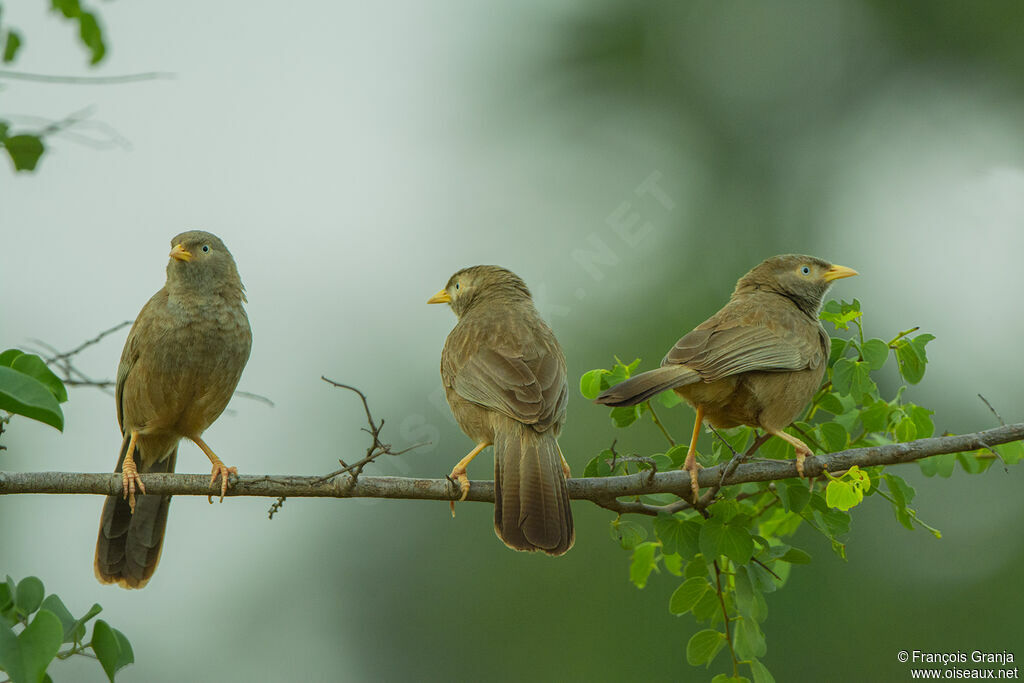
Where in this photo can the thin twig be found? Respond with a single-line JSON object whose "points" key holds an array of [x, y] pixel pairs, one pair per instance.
{"points": [[84, 80], [725, 617], [998, 416], [654, 416]]}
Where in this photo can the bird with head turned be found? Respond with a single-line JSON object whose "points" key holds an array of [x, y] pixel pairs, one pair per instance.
{"points": [[504, 375], [757, 361], [179, 368]]}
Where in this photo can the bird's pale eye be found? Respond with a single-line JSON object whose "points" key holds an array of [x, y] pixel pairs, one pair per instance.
{"points": [[206, 248], [806, 270]]}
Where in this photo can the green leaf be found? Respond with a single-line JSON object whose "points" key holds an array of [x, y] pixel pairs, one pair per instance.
{"points": [[24, 151], [749, 602], [874, 352], [760, 672], [673, 564], [29, 595], [54, 604], [733, 541], [840, 315], [707, 607], [92, 36], [725, 678], [941, 465], [112, 648], [623, 416], [688, 594], [834, 436], [796, 556], [79, 630], [911, 356], [853, 378], [24, 395], [703, 646], [749, 640], [598, 466], [11, 45], [1012, 452], [837, 349], [642, 564], [669, 399], [798, 494], [922, 420], [875, 417], [841, 495], [593, 383], [628, 534], [34, 366], [905, 430], [833, 403], [25, 657]]}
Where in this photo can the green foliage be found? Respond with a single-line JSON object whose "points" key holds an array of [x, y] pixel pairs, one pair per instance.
{"points": [[729, 556], [34, 626], [28, 387], [27, 147]]}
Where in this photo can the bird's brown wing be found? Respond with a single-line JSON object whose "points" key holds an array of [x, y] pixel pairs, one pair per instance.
{"points": [[758, 341], [132, 350], [523, 377]]}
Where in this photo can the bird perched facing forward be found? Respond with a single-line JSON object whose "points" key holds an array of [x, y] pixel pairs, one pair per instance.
{"points": [[505, 379], [756, 362], [180, 365]]}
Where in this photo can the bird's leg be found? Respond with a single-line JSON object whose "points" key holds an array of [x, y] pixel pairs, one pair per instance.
{"points": [[802, 451], [565, 465], [219, 468], [130, 473], [691, 465], [459, 472]]}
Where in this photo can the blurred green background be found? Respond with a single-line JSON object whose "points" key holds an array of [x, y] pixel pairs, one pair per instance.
{"points": [[630, 161]]}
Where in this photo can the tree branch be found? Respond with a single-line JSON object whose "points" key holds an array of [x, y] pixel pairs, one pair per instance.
{"points": [[598, 489]]}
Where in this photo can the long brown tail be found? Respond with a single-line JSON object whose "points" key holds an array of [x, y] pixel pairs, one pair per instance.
{"points": [[646, 385], [531, 503], [128, 546]]}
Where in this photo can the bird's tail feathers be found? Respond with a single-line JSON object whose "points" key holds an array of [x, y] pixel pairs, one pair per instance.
{"points": [[128, 545], [646, 385], [531, 503]]}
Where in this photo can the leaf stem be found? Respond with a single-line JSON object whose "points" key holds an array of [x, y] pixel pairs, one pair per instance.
{"points": [[725, 616], [654, 416]]}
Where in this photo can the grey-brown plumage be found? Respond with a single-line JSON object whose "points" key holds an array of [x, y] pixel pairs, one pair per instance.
{"points": [[179, 368], [757, 362], [505, 379]]}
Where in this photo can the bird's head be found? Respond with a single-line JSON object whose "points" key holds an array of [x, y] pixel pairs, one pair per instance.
{"points": [[201, 263], [471, 285], [803, 279]]}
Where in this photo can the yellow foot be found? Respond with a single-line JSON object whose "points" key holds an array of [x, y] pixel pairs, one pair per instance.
{"points": [[129, 478], [223, 471]]}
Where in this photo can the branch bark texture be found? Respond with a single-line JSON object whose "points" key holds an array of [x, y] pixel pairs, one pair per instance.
{"points": [[595, 489]]}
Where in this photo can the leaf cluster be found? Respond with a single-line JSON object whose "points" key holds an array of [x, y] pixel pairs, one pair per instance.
{"points": [[35, 626], [26, 148], [28, 387]]}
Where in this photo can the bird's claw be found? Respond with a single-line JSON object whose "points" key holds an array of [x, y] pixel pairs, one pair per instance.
{"points": [[129, 478], [693, 467], [459, 477], [223, 471]]}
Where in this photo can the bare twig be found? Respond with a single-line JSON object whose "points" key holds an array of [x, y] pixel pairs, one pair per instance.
{"points": [[83, 80], [998, 416], [593, 489], [376, 449]]}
